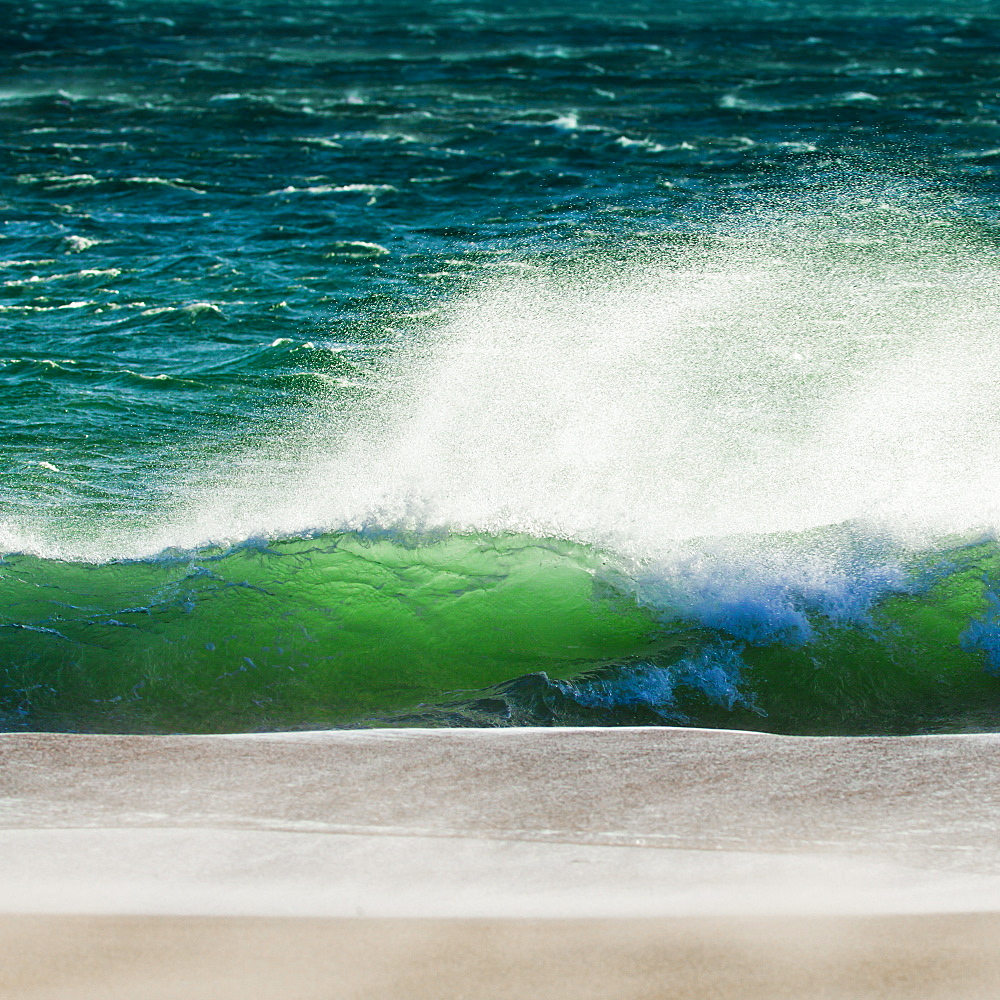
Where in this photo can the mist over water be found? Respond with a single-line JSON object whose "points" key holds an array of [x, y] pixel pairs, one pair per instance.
{"points": [[799, 372]]}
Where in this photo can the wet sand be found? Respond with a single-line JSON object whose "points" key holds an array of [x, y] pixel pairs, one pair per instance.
{"points": [[486, 864]]}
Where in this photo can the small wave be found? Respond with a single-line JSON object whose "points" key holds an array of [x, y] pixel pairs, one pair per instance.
{"points": [[177, 183], [91, 374], [404, 138], [739, 101], [89, 272], [76, 304], [365, 188], [5, 264], [193, 310], [148, 378], [75, 146], [369, 189], [202, 308], [65, 182], [321, 142], [59, 182], [645, 144], [357, 250], [566, 123], [77, 244]]}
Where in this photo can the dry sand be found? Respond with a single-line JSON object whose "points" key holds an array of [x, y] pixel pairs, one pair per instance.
{"points": [[454, 864], [702, 958]]}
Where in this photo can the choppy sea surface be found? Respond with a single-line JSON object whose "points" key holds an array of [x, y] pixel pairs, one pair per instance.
{"points": [[499, 363]]}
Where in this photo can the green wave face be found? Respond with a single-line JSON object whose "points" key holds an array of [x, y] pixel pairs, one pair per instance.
{"points": [[354, 629], [920, 663], [322, 631]]}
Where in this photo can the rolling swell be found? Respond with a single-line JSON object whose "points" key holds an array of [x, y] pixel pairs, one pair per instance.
{"points": [[317, 631], [658, 492], [379, 628], [734, 485]]}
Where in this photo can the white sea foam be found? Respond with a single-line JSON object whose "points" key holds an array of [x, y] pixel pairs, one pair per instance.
{"points": [[743, 393], [77, 244]]}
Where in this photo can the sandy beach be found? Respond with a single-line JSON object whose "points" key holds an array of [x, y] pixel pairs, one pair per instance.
{"points": [[499, 863]]}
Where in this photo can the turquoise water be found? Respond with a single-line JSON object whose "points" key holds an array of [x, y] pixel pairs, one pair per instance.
{"points": [[497, 365]]}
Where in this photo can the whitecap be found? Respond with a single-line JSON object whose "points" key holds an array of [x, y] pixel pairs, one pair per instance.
{"points": [[314, 189], [647, 144], [76, 304], [568, 122], [76, 244], [27, 263], [201, 308], [68, 181], [357, 249], [369, 189], [36, 279], [365, 188], [320, 141], [172, 182], [734, 102], [389, 137], [796, 147]]}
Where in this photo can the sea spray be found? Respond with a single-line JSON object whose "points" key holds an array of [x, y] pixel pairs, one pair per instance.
{"points": [[754, 383]]}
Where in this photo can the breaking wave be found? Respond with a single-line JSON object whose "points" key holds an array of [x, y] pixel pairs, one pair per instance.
{"points": [[747, 480]]}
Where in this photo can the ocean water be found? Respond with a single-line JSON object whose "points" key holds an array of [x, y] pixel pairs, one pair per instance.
{"points": [[496, 363]]}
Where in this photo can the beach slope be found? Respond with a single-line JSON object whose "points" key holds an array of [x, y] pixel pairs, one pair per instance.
{"points": [[499, 863]]}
